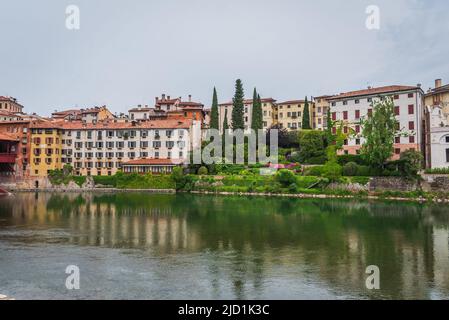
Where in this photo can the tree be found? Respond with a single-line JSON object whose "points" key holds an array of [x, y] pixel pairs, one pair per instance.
{"points": [[256, 117], [225, 122], [306, 116], [238, 106], [411, 163], [214, 117], [283, 136], [312, 145], [329, 126], [379, 131]]}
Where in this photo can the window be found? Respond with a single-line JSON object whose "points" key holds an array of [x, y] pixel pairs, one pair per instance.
{"points": [[156, 144], [396, 97], [447, 155], [447, 139], [411, 95], [345, 129], [397, 140], [345, 103], [397, 151], [411, 139], [396, 111], [357, 141], [334, 116], [411, 125], [345, 115], [357, 101], [397, 126], [357, 129], [370, 112], [370, 99], [357, 114], [411, 109], [334, 104]]}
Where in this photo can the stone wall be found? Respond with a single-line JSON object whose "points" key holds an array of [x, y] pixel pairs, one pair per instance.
{"points": [[435, 182], [392, 184]]}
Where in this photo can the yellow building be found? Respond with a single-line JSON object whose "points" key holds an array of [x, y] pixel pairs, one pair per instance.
{"points": [[290, 114], [438, 96], [46, 147], [319, 113]]}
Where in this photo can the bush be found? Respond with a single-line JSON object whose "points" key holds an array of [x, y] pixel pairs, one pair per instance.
{"points": [[285, 177], [202, 171], [350, 169], [311, 145], [346, 158], [316, 171], [105, 180], [437, 171], [332, 171], [412, 163]]}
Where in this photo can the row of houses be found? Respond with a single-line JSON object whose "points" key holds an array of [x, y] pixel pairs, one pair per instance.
{"points": [[94, 141]]}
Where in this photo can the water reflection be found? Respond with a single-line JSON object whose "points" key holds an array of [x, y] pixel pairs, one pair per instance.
{"points": [[253, 245]]}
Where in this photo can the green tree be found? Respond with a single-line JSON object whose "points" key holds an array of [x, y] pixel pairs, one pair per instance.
{"points": [[411, 163], [238, 106], [379, 131], [214, 118], [256, 117], [329, 125], [311, 145], [306, 116]]}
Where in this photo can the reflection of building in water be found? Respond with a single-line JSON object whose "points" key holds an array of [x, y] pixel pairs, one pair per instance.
{"points": [[246, 242]]}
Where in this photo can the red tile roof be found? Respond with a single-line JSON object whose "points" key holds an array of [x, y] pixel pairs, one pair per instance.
{"points": [[373, 91], [7, 137], [152, 124], [153, 161], [292, 102], [249, 101]]}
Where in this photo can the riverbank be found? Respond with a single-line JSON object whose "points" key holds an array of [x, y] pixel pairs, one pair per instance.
{"points": [[422, 197]]}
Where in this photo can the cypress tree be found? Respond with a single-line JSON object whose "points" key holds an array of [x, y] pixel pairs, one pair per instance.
{"points": [[238, 106], [225, 121], [214, 112], [306, 116], [329, 126], [256, 117]]}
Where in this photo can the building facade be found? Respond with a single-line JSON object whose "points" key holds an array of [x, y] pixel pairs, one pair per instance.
{"points": [[10, 104], [269, 113], [46, 148], [351, 107], [102, 148], [290, 114], [437, 126], [320, 110]]}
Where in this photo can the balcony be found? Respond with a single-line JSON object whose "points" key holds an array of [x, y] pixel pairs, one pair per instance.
{"points": [[8, 157]]}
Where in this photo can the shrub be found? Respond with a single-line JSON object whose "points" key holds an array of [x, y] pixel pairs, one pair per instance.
{"points": [[285, 177], [350, 169], [316, 171], [332, 171], [311, 145], [202, 171], [105, 180], [412, 163], [317, 160], [346, 158], [437, 171]]}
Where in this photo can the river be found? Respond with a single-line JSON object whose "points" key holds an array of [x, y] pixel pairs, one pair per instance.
{"points": [[160, 246]]}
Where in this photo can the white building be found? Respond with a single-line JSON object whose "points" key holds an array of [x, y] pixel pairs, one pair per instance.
{"points": [[437, 126], [102, 148], [351, 107]]}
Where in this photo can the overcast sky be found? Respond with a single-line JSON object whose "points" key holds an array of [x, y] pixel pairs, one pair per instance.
{"points": [[128, 52]]}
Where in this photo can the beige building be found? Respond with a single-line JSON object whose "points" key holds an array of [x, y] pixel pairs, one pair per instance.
{"points": [[10, 104], [269, 113], [319, 112], [290, 114]]}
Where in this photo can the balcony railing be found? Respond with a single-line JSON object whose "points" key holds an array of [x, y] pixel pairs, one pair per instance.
{"points": [[8, 157]]}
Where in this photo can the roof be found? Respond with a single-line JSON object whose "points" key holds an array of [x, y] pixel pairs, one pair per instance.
{"points": [[66, 112], [153, 124], [153, 161], [293, 102], [141, 109], [373, 91], [45, 125], [441, 89], [7, 137], [248, 101]]}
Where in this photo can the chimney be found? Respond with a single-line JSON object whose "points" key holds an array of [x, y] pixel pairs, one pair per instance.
{"points": [[419, 85], [139, 106], [190, 98], [437, 83], [168, 97], [163, 96]]}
